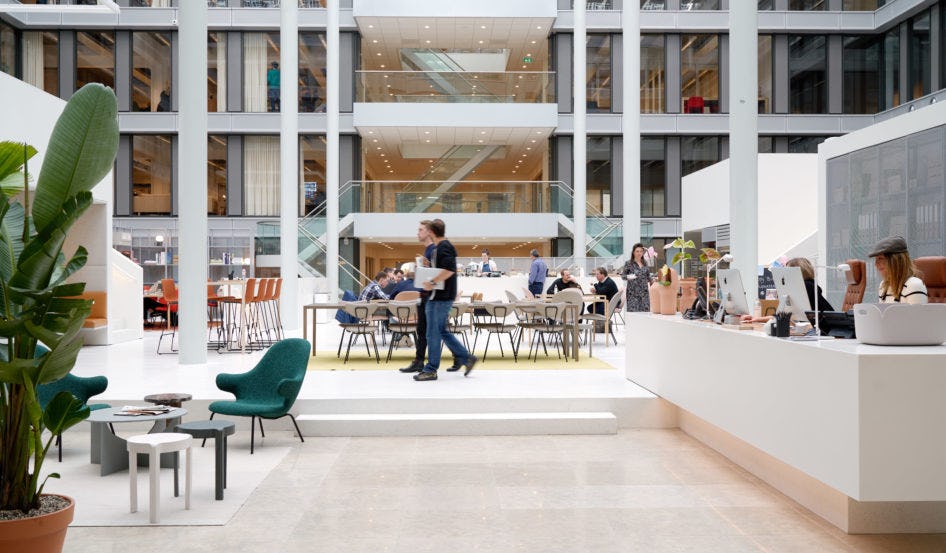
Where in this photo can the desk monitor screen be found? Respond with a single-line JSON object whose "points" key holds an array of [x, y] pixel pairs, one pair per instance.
{"points": [[792, 294], [732, 292]]}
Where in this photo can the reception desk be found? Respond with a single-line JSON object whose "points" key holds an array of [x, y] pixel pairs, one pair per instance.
{"points": [[855, 433]]}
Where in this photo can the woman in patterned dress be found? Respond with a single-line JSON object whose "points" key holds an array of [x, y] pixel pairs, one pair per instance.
{"points": [[637, 274]]}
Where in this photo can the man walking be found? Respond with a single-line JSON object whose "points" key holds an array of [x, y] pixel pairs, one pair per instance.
{"points": [[537, 273], [444, 257], [423, 236]]}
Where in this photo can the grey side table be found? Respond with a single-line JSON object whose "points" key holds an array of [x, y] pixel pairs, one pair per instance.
{"points": [[111, 451], [218, 430]]}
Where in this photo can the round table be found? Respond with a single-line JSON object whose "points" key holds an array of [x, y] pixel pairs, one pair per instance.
{"points": [[171, 400], [111, 451]]}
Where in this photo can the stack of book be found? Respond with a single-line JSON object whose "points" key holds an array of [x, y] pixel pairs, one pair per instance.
{"points": [[139, 410]]}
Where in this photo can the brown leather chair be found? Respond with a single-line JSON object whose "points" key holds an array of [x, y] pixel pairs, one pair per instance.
{"points": [[933, 273], [855, 290]]}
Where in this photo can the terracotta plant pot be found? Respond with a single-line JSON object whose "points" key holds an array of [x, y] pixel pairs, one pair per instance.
{"points": [[687, 293], [654, 298], [668, 294], [42, 534]]}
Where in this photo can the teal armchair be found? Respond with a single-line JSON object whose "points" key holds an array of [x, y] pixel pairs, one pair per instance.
{"points": [[269, 390], [82, 388]]}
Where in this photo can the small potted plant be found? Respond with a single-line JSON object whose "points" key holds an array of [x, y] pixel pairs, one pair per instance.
{"points": [[665, 290], [40, 318]]}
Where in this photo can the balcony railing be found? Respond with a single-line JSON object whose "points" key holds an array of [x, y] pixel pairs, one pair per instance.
{"points": [[511, 87]]}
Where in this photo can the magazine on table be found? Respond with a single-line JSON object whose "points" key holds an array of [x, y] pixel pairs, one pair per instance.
{"points": [[141, 410]]}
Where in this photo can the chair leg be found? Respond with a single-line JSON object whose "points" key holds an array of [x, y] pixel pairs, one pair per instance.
{"points": [[347, 351], [374, 342], [252, 433], [260, 421], [299, 432], [340, 342]]}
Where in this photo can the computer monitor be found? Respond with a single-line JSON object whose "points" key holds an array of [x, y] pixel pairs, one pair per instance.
{"points": [[792, 294], [731, 292], [839, 324]]}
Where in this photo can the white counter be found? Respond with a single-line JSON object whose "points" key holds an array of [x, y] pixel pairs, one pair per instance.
{"points": [[867, 421]]}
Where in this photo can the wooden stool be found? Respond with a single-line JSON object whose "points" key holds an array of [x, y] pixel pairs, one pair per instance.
{"points": [[218, 430], [154, 445]]}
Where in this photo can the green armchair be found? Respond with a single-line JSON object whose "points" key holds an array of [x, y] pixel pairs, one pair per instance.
{"points": [[269, 390], [81, 387]]}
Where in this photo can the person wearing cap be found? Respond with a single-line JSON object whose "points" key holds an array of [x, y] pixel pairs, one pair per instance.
{"points": [[899, 282]]}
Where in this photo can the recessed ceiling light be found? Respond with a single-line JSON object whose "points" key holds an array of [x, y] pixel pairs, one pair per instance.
{"points": [[533, 42], [539, 27], [522, 66], [382, 66], [482, 132], [513, 171], [482, 26], [538, 132], [379, 53], [375, 41], [427, 41], [481, 141], [378, 148], [529, 55], [370, 132], [426, 132], [426, 26], [517, 86], [428, 140], [528, 148], [523, 155], [481, 42], [382, 155], [377, 140], [533, 141], [371, 26]]}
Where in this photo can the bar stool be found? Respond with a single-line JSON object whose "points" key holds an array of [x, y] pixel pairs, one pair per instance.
{"points": [[153, 445], [218, 430]]}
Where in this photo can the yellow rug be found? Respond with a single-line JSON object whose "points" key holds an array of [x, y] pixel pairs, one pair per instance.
{"points": [[359, 361]]}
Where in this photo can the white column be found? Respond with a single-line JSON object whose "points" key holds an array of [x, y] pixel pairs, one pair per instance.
{"points": [[192, 184], [631, 125], [579, 146], [331, 148], [289, 164], [743, 142]]}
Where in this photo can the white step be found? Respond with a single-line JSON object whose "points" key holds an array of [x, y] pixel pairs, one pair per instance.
{"points": [[457, 424]]}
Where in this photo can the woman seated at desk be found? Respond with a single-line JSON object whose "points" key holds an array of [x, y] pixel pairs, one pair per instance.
{"points": [[808, 274], [900, 282]]}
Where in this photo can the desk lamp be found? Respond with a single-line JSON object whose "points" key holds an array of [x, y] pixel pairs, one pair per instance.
{"points": [[709, 267]]}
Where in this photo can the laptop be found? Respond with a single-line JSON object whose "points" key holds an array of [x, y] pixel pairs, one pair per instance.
{"points": [[900, 324]]}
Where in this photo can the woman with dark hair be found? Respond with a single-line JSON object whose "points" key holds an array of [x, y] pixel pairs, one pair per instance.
{"points": [[637, 274]]}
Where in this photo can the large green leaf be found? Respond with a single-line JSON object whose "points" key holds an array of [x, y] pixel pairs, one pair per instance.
{"points": [[11, 157], [12, 184], [11, 239], [59, 361], [63, 412], [81, 151], [77, 262]]}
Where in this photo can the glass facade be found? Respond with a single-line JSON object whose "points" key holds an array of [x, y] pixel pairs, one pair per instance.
{"points": [[699, 73], [653, 177], [261, 72], [312, 65], [807, 5], [891, 96], [216, 72], [151, 71], [863, 66], [95, 58], [41, 60], [920, 60], [598, 173], [653, 74], [312, 173], [653, 4], [217, 175], [765, 74], [7, 49], [699, 5], [598, 73], [861, 5], [151, 174], [697, 152], [804, 144], [807, 74]]}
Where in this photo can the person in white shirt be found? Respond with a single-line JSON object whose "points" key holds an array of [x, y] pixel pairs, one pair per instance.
{"points": [[899, 280], [487, 265]]}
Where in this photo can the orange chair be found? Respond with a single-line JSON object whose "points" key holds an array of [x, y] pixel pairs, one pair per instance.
{"points": [[933, 274], [167, 304], [236, 315], [695, 104], [855, 290]]}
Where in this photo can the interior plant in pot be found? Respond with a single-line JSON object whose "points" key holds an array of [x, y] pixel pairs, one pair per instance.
{"points": [[40, 318], [667, 285]]}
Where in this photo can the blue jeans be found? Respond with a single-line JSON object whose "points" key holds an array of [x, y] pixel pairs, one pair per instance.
{"points": [[437, 312], [536, 288]]}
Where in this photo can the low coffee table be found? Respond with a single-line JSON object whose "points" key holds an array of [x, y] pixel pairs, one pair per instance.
{"points": [[171, 400], [111, 451]]}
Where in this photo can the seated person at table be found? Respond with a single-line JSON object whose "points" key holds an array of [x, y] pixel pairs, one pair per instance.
{"points": [[374, 290], [604, 287], [899, 282], [487, 265], [563, 282], [808, 274], [407, 284], [392, 281]]}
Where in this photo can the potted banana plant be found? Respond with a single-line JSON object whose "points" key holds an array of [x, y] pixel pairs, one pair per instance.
{"points": [[40, 317]]}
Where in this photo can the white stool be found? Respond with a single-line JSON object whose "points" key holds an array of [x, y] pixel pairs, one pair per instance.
{"points": [[154, 445]]}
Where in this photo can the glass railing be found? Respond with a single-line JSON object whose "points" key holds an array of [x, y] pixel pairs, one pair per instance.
{"points": [[246, 3], [512, 87]]}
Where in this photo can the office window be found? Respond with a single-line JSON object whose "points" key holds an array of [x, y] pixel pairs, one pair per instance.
{"points": [[95, 58], [861, 5], [217, 175], [151, 71], [697, 152], [598, 173], [863, 66], [766, 145], [7, 49], [261, 72], [765, 74], [804, 144], [891, 95], [216, 72], [653, 4], [699, 5], [311, 173], [807, 74], [653, 74], [653, 177], [261, 175], [766, 5], [598, 73], [807, 5], [920, 61], [312, 64], [699, 73], [151, 174], [41, 60]]}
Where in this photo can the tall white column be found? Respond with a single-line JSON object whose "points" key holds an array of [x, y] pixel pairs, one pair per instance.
{"points": [[631, 125], [289, 164], [579, 146], [192, 184], [331, 147], [744, 142]]}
